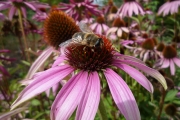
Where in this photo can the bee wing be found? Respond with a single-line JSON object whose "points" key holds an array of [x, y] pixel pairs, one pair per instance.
{"points": [[85, 28], [64, 44]]}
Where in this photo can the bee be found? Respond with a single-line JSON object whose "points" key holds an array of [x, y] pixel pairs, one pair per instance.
{"points": [[86, 37]]}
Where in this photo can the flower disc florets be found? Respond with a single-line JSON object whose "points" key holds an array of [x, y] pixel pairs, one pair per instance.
{"points": [[169, 52], [88, 58], [59, 27]]}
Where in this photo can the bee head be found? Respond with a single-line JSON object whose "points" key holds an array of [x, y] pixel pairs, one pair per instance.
{"points": [[99, 42]]}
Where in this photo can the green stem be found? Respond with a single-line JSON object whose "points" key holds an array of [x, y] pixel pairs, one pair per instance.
{"points": [[23, 33], [161, 104], [102, 111]]}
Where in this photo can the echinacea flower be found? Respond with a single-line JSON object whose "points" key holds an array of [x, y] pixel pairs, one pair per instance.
{"points": [[14, 5], [129, 7], [171, 7], [83, 89], [78, 9], [99, 27], [117, 29], [55, 25], [147, 50], [169, 59]]}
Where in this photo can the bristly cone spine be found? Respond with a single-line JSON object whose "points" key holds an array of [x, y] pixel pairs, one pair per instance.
{"points": [[59, 27], [87, 58]]}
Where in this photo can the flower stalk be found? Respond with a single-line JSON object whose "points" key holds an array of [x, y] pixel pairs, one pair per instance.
{"points": [[23, 33]]}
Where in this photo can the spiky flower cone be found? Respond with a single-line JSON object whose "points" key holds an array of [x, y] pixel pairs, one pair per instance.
{"points": [[59, 27]]}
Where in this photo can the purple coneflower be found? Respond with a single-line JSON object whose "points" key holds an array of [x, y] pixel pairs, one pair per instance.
{"points": [[129, 7], [99, 27], [83, 89], [55, 25], [14, 5], [169, 59], [147, 50], [169, 7], [117, 29], [79, 9]]}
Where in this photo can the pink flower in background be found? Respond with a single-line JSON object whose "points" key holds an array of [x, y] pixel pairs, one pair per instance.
{"points": [[79, 9], [171, 7], [99, 27], [168, 59], [129, 7], [82, 90], [117, 29], [13, 6]]}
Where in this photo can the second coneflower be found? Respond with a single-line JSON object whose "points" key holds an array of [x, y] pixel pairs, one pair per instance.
{"points": [[82, 91], [169, 59]]}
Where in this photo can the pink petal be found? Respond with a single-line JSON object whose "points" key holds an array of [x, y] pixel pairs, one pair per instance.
{"points": [[30, 5], [43, 82], [12, 12], [152, 72], [122, 95], [112, 30], [55, 88], [23, 12], [126, 57], [59, 60], [119, 32], [39, 62], [138, 76], [7, 116], [177, 61], [165, 63], [69, 97], [89, 103], [172, 67]]}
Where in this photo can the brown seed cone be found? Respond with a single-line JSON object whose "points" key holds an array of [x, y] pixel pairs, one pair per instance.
{"points": [[169, 52], [90, 58], [59, 27], [148, 44], [118, 23]]}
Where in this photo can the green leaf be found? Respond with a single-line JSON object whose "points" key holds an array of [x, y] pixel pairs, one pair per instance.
{"points": [[171, 95], [35, 102], [176, 102]]}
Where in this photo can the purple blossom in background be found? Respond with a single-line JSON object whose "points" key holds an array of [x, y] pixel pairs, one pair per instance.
{"points": [[80, 9], [14, 5], [83, 89], [171, 7], [129, 7]]}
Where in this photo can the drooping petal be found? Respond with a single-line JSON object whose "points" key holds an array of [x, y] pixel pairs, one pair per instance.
{"points": [[122, 95], [43, 82], [138, 76], [165, 63], [12, 11], [30, 5], [172, 67], [59, 60], [39, 62], [177, 61], [126, 57], [7, 116], [69, 97], [152, 72], [89, 103]]}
